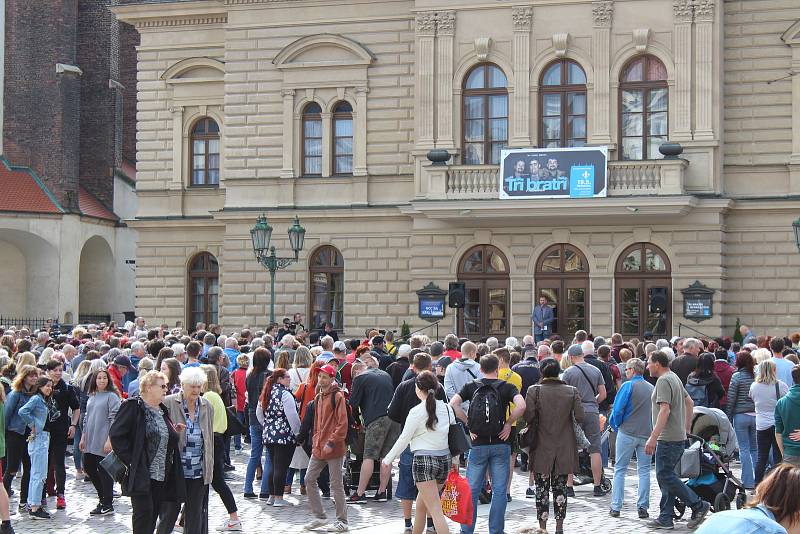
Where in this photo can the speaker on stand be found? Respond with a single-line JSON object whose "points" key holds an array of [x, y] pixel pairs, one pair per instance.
{"points": [[456, 298]]}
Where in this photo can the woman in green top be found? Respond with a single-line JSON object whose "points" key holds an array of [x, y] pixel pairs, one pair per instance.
{"points": [[5, 516], [211, 393]]}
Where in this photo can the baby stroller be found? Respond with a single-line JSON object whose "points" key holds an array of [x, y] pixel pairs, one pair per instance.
{"points": [[715, 442], [584, 474]]}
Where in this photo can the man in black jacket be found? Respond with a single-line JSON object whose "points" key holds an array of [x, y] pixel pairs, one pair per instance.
{"points": [[379, 352], [398, 368], [405, 398]]}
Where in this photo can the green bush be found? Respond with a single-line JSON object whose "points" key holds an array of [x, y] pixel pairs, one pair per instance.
{"points": [[737, 335]]}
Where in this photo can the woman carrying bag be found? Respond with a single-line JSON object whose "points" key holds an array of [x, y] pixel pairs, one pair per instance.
{"points": [[426, 432], [551, 437]]}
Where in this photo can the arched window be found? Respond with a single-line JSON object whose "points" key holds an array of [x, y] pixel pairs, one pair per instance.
{"points": [[204, 156], [484, 271], [562, 105], [644, 106], [562, 277], [326, 273], [312, 140], [485, 115], [204, 289], [643, 285], [343, 138]]}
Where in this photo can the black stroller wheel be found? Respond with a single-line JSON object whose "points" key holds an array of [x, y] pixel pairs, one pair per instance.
{"points": [[680, 509], [722, 503], [605, 484]]}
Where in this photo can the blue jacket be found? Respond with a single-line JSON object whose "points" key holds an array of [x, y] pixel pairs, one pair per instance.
{"points": [[544, 316], [34, 413], [232, 355], [758, 520], [14, 402]]}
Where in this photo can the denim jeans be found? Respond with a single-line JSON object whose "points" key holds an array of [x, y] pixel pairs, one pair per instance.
{"points": [[38, 450], [668, 453], [495, 459], [626, 445], [256, 450], [745, 427], [237, 439], [604, 443], [406, 488], [77, 455]]}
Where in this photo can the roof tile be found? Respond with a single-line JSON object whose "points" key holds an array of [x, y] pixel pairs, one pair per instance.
{"points": [[21, 191]]}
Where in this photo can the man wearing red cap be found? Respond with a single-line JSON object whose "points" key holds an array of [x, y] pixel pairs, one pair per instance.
{"points": [[328, 447]]}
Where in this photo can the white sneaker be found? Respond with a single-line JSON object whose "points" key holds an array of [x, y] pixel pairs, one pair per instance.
{"points": [[271, 500], [338, 526], [315, 524], [231, 526], [280, 503]]}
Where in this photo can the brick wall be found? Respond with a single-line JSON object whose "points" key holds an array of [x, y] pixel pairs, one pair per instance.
{"points": [[129, 40], [42, 108]]}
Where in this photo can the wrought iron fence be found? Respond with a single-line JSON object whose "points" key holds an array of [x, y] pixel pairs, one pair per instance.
{"points": [[93, 318], [32, 323]]}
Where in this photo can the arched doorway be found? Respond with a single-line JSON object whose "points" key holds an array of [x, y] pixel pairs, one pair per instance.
{"points": [[484, 271], [562, 277], [326, 272], [643, 291], [96, 280], [30, 272], [203, 290]]}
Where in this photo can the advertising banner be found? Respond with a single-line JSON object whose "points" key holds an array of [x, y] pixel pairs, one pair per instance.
{"points": [[579, 172]]}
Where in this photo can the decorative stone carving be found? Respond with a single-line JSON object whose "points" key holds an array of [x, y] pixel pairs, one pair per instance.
{"points": [[522, 16], [560, 43], [641, 38], [287, 92], [445, 22], [683, 10], [482, 47], [425, 23], [704, 10], [603, 13]]}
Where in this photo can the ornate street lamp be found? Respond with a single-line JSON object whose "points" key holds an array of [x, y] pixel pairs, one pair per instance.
{"points": [[261, 234], [796, 227]]}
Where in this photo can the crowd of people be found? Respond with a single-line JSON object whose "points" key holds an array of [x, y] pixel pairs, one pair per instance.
{"points": [[172, 406]]}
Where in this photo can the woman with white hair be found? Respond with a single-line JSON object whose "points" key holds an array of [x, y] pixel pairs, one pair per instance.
{"points": [[765, 392], [194, 419]]}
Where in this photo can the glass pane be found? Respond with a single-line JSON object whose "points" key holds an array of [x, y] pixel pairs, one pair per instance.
{"points": [[577, 127], [322, 257], [343, 128], [576, 142], [632, 124], [344, 165], [313, 165], [473, 107], [312, 108], [553, 75], [496, 149], [199, 147], [198, 304], [473, 130], [630, 311], [653, 144], [213, 146], [343, 107], [199, 127], [657, 123], [552, 127], [199, 162], [633, 101], [656, 70], [313, 128], [498, 106], [575, 75], [213, 264], [497, 311], [495, 263], [656, 321], [633, 261], [497, 78], [498, 129], [199, 177], [552, 262], [473, 263], [576, 103], [552, 300], [475, 79], [634, 71], [551, 104], [473, 154], [573, 262], [654, 261], [344, 146], [657, 100], [213, 177], [313, 147], [632, 148], [553, 144], [213, 161]]}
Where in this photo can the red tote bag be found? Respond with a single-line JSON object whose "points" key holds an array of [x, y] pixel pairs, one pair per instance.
{"points": [[457, 498]]}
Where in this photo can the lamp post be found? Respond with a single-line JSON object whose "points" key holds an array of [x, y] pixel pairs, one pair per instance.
{"points": [[796, 228], [261, 234]]}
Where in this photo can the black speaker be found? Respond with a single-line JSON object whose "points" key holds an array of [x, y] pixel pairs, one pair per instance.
{"points": [[457, 295], [658, 300]]}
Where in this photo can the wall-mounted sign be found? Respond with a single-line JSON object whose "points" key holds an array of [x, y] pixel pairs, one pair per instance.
{"points": [[698, 302], [431, 302], [579, 172]]}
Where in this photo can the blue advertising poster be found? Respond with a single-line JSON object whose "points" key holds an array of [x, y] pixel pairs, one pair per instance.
{"points": [[579, 172], [431, 308]]}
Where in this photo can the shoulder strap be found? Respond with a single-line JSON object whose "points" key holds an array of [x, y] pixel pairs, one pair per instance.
{"points": [[472, 374], [587, 378], [777, 391]]}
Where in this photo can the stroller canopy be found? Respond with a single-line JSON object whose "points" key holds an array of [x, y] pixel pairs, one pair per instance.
{"points": [[712, 422]]}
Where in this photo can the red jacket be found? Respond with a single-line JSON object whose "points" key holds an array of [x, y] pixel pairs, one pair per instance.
{"points": [[117, 379], [330, 424], [724, 371], [239, 382]]}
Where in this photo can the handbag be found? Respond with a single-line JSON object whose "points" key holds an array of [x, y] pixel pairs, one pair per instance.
{"points": [[235, 427], [528, 437], [580, 435], [689, 464], [456, 498], [458, 440], [115, 467]]}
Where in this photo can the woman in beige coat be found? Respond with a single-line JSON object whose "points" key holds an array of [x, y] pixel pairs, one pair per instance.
{"points": [[550, 407]]}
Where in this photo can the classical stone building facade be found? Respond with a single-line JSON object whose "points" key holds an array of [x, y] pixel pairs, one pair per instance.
{"points": [[326, 110]]}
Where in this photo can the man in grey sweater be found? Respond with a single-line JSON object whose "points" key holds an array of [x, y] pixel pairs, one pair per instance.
{"points": [[631, 419], [462, 371]]}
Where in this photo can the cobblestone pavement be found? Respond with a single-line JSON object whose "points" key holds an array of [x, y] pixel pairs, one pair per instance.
{"points": [[585, 514]]}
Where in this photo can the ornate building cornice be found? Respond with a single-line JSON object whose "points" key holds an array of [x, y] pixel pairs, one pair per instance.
{"points": [[522, 16], [180, 21], [602, 13]]}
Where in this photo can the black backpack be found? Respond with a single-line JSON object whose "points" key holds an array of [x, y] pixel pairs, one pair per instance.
{"points": [[487, 412]]}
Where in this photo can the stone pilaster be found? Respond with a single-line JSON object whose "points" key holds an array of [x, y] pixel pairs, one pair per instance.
{"points": [[177, 148], [704, 11], [682, 34], [522, 17], [603, 16], [360, 140], [327, 141], [425, 34], [445, 29], [287, 171]]}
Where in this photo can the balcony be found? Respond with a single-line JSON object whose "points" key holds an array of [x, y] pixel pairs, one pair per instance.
{"points": [[625, 178]]}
